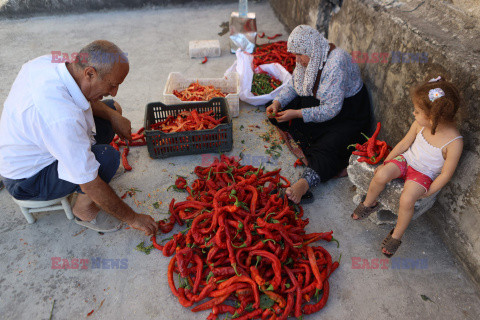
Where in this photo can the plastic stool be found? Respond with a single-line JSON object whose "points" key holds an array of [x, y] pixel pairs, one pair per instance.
{"points": [[29, 206]]}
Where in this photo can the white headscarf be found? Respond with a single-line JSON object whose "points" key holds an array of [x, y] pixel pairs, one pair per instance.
{"points": [[307, 41]]}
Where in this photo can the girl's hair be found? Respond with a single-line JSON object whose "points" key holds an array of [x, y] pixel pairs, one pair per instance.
{"points": [[442, 109]]}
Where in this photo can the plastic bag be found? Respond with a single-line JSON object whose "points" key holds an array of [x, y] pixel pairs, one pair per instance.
{"points": [[243, 65]]}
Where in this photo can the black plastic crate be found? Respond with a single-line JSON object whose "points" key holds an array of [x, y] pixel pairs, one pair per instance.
{"points": [[164, 145]]}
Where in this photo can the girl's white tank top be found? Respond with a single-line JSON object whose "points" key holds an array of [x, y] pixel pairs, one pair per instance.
{"points": [[424, 157]]}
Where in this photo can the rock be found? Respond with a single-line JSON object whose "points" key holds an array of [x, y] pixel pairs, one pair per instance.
{"points": [[361, 173], [204, 48]]}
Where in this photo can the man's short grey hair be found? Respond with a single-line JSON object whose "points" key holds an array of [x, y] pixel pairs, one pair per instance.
{"points": [[102, 55]]}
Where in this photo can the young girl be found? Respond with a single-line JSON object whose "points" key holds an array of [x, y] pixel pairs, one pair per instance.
{"points": [[425, 158]]}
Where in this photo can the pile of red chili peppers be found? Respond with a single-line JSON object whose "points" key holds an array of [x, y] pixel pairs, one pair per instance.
{"points": [[188, 121], [274, 52], [373, 150], [197, 92], [245, 248], [138, 139]]}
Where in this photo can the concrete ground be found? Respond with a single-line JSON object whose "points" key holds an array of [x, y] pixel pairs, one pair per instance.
{"points": [[156, 41]]}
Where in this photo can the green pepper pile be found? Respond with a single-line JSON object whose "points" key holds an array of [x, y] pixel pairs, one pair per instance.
{"points": [[263, 83]]}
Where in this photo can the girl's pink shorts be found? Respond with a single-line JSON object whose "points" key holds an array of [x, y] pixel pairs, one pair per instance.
{"points": [[408, 173]]}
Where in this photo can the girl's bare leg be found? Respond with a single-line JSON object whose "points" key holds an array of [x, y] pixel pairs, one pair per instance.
{"points": [[384, 175], [412, 191]]}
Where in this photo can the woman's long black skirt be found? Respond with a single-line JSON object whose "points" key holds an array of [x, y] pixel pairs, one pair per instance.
{"points": [[325, 143]]}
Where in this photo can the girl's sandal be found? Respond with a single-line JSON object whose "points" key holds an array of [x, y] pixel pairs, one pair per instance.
{"points": [[390, 244], [362, 211]]}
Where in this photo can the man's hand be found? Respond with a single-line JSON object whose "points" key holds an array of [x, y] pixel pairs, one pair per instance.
{"points": [[273, 109], [104, 196], [288, 115], [144, 223], [121, 126]]}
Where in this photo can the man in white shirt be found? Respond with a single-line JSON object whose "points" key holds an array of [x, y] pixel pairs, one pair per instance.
{"points": [[55, 131]]}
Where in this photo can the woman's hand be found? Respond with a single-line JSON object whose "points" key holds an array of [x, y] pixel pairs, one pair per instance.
{"points": [[288, 115], [273, 109]]}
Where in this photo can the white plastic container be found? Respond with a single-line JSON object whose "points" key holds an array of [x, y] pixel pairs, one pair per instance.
{"points": [[229, 83]]}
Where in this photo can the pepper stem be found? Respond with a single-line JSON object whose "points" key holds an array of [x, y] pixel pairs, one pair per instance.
{"points": [[338, 243], [366, 137], [235, 268]]}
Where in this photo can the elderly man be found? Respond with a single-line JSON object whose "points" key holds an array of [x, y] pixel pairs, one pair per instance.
{"points": [[55, 131]]}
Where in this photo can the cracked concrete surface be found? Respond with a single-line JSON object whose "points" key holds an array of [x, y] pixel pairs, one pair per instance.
{"points": [[156, 40]]}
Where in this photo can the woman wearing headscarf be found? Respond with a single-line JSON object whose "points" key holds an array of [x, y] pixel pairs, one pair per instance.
{"points": [[324, 107]]}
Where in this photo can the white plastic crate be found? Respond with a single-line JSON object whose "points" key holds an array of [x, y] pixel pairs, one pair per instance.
{"points": [[230, 83]]}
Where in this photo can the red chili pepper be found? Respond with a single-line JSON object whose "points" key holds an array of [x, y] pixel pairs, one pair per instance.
{"points": [[311, 308], [221, 309], [251, 315], [298, 162], [359, 147], [181, 183], [137, 136], [334, 267], [210, 304], [115, 145], [298, 301], [229, 290], [236, 279], [261, 35], [288, 308], [312, 237], [367, 160], [277, 267], [124, 159], [383, 151], [275, 297], [155, 244], [256, 276], [183, 299], [205, 60], [360, 153], [171, 283], [371, 141]]}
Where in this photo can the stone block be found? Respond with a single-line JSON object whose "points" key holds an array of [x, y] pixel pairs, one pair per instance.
{"points": [[204, 48], [361, 173]]}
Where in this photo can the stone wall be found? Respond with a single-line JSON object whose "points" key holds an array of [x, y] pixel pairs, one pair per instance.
{"points": [[433, 37], [315, 13]]}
